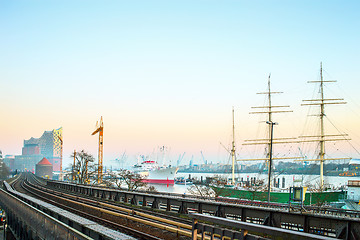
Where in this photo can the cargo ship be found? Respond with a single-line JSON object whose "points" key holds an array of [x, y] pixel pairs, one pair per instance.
{"points": [[155, 173]]}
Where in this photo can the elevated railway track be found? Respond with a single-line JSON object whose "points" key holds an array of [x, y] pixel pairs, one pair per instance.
{"points": [[156, 216], [122, 219], [127, 219], [329, 222], [34, 219]]}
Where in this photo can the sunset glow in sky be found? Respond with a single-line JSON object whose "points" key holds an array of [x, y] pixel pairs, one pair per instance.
{"points": [[167, 73]]}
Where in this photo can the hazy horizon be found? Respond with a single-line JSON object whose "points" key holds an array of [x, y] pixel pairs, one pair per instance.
{"points": [[167, 73]]}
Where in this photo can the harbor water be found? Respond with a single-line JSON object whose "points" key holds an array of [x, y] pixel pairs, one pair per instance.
{"points": [[334, 182]]}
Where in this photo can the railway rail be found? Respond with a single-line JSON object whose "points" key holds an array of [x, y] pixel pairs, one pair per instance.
{"points": [[126, 219], [134, 213], [316, 210], [29, 218], [340, 224]]}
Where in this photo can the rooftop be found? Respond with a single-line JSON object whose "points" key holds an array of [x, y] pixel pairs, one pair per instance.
{"points": [[44, 161]]}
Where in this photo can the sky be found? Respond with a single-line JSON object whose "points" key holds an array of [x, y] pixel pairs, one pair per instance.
{"points": [[167, 73]]}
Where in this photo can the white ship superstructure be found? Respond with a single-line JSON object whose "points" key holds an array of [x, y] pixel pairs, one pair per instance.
{"points": [[155, 173]]}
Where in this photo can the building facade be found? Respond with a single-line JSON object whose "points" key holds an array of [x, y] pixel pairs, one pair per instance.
{"points": [[354, 190], [30, 149], [9, 160], [49, 146], [44, 169], [26, 162]]}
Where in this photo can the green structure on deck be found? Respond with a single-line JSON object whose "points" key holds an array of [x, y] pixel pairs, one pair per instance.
{"points": [[282, 197]]}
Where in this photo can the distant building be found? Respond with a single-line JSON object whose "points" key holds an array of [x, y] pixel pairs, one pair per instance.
{"points": [[9, 160], [35, 149], [48, 145], [354, 190], [26, 162], [44, 169], [30, 149], [354, 164]]}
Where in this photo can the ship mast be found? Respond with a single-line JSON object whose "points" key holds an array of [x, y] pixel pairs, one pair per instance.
{"points": [[269, 119], [322, 138], [233, 150], [269, 110]]}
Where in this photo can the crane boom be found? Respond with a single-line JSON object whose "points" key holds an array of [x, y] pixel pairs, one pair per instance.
{"points": [[96, 131], [100, 130], [205, 161], [180, 159]]}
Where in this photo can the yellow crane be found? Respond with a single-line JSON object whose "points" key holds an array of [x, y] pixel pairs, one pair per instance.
{"points": [[100, 130]]}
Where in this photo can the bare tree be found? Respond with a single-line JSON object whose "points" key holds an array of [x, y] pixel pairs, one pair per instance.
{"points": [[127, 178], [4, 170], [151, 189], [318, 197], [202, 191], [69, 173], [112, 179], [215, 188], [85, 169], [256, 191]]}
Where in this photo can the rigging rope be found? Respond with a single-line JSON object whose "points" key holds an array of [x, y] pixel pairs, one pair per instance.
{"points": [[344, 136]]}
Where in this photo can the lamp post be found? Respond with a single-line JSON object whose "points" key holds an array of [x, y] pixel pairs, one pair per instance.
{"points": [[270, 155]]}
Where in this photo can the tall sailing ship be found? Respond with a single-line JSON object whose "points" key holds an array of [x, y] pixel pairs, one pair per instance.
{"points": [[322, 137], [316, 195]]}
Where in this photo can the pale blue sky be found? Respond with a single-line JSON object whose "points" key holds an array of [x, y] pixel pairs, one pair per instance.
{"points": [[166, 72]]}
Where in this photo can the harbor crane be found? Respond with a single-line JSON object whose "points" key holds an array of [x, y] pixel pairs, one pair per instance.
{"points": [[180, 159], [191, 161], [122, 160], [203, 158], [100, 130]]}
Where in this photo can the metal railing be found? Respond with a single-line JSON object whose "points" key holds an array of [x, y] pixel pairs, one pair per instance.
{"points": [[344, 225], [276, 206], [221, 228]]}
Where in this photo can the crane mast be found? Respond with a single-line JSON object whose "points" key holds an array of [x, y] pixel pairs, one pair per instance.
{"points": [[100, 130]]}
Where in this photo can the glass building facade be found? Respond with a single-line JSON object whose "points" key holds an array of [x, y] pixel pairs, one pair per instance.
{"points": [[49, 145]]}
